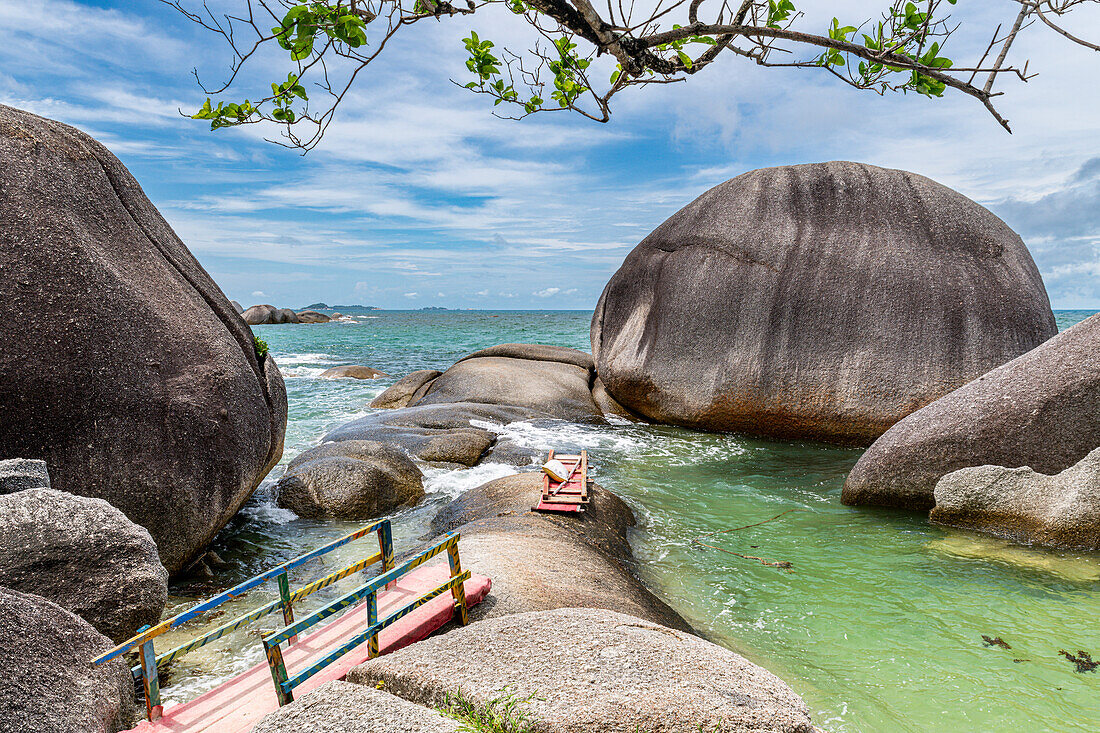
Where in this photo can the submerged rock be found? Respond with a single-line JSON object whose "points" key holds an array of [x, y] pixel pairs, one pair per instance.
{"points": [[352, 372], [341, 707], [1040, 410], [131, 375], [581, 670], [19, 474], [823, 301], [400, 392], [545, 561], [355, 479], [308, 316], [50, 685], [1020, 504], [551, 380], [85, 556]]}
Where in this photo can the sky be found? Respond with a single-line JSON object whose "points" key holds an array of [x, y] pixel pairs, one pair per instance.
{"points": [[418, 196]]}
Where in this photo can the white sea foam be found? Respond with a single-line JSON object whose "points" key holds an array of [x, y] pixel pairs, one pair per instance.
{"points": [[309, 358], [452, 483]]}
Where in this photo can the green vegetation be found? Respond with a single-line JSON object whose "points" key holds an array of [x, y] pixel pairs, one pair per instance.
{"points": [[500, 715], [327, 43], [260, 346]]}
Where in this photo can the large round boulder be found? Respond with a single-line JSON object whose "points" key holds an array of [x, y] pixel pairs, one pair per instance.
{"points": [[1040, 410], [589, 553], [1023, 505], [354, 479], [85, 556], [823, 301], [309, 316], [131, 374], [50, 685], [352, 371]]}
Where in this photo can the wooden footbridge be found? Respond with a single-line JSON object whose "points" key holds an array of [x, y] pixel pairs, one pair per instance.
{"points": [[400, 606]]}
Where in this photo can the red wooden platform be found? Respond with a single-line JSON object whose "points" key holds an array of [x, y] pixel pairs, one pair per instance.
{"points": [[237, 705], [570, 495]]}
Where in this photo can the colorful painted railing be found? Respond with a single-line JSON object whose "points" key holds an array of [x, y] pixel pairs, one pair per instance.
{"points": [[147, 671], [284, 684]]}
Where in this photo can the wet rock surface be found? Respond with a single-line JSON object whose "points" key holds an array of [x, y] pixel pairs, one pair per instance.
{"points": [[1020, 504], [353, 371], [355, 479], [542, 561]]}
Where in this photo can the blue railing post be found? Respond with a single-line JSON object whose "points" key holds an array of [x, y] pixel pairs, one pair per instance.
{"points": [[288, 607], [150, 678]]}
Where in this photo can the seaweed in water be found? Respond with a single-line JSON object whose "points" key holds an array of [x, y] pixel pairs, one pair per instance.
{"points": [[1083, 660], [996, 641]]}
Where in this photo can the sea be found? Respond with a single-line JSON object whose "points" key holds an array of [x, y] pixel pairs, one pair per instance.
{"points": [[880, 622]]}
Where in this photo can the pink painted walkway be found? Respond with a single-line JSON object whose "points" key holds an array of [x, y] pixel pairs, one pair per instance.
{"points": [[237, 705]]}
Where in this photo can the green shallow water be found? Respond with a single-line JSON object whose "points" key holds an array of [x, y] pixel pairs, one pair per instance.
{"points": [[878, 623]]}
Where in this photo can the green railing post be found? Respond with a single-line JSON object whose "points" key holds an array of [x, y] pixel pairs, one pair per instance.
{"points": [[288, 607], [458, 591], [278, 672], [372, 619], [150, 678]]}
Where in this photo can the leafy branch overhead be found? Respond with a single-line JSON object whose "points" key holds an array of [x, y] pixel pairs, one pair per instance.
{"points": [[582, 56]]}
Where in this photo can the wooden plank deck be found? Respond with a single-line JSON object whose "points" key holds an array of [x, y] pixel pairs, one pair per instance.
{"points": [[570, 495], [237, 705]]}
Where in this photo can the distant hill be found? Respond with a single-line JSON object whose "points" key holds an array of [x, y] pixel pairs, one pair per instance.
{"points": [[327, 307], [434, 308]]}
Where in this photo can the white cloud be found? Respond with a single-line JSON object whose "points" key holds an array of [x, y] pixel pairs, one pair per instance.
{"points": [[258, 293], [412, 295], [548, 292]]}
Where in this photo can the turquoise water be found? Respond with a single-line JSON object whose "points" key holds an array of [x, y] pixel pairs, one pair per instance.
{"points": [[878, 622]]}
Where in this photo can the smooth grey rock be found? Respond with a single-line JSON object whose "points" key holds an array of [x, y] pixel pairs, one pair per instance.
{"points": [[537, 352], [400, 392], [824, 301], [510, 453], [1040, 410], [352, 371], [50, 685], [439, 433], [543, 561], [556, 388], [1020, 504], [131, 375], [237, 306], [85, 556], [19, 474], [609, 405], [308, 316], [268, 314], [362, 480], [341, 707], [582, 670]]}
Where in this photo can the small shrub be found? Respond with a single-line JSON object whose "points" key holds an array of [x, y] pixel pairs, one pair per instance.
{"points": [[260, 346], [499, 715]]}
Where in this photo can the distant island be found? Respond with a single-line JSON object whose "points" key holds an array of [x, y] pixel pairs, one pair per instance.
{"points": [[327, 307], [434, 308]]}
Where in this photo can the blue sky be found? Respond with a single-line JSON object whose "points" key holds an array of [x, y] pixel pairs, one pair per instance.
{"points": [[420, 197]]}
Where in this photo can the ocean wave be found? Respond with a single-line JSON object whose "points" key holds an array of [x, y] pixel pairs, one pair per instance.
{"points": [[452, 483], [309, 358]]}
